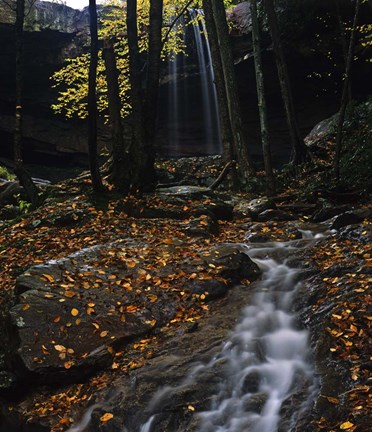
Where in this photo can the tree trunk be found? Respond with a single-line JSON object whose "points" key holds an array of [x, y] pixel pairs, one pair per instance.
{"points": [[344, 97], [143, 173], [153, 68], [226, 135], [119, 175], [92, 100], [25, 180], [245, 166], [261, 99], [343, 41], [299, 150]]}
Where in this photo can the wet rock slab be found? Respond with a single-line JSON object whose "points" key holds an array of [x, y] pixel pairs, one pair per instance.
{"points": [[73, 312], [135, 398]]}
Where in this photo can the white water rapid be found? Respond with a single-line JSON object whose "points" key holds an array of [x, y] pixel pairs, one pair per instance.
{"points": [[264, 356], [266, 359]]}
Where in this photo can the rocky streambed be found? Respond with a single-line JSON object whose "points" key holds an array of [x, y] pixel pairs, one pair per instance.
{"points": [[128, 335]]}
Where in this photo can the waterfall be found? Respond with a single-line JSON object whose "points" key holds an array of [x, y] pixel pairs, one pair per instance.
{"points": [[188, 104], [209, 95]]}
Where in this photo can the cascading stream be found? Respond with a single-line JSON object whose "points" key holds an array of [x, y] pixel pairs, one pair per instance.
{"points": [[264, 357], [265, 361]]}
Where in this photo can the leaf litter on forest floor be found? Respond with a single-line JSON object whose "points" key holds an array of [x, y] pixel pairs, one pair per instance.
{"points": [[30, 242]]}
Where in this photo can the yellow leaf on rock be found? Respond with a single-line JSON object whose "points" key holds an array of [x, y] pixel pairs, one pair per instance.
{"points": [[59, 348], [106, 417], [346, 425], [103, 333]]}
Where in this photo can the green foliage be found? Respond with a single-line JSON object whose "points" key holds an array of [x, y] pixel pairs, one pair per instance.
{"points": [[24, 205], [5, 174]]}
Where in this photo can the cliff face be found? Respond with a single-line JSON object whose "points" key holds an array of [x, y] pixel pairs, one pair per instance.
{"points": [[53, 32], [47, 15]]}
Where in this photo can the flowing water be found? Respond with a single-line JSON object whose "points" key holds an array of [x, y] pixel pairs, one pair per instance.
{"points": [[266, 356], [192, 109], [265, 360]]}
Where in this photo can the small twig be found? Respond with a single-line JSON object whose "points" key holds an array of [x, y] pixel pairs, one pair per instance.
{"points": [[223, 175]]}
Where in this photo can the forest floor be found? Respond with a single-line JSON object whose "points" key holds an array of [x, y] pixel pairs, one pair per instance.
{"points": [[29, 240]]}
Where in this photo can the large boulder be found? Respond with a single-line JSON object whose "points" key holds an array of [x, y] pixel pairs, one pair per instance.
{"points": [[72, 311]]}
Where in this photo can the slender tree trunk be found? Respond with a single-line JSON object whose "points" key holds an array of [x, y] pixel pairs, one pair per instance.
{"points": [[138, 133], [119, 175], [24, 177], [343, 41], [299, 150], [153, 68], [344, 97], [92, 99], [245, 166], [261, 99], [226, 134]]}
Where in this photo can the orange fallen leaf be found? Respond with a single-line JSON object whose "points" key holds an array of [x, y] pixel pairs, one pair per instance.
{"points": [[74, 312], [106, 417], [48, 277], [333, 400]]}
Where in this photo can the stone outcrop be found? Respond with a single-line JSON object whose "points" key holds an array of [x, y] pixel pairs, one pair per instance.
{"points": [[71, 312]]}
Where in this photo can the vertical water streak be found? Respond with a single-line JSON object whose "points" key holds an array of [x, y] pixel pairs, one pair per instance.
{"points": [[212, 87], [173, 99], [206, 84], [192, 114]]}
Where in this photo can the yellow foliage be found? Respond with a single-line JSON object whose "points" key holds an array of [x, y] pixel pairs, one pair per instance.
{"points": [[72, 80]]}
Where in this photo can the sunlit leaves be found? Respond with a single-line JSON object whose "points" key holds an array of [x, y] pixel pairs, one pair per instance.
{"points": [[72, 80]]}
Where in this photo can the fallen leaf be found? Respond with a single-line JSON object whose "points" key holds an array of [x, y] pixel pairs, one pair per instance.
{"points": [[74, 312], [106, 417], [346, 425], [59, 348], [333, 400], [48, 277]]}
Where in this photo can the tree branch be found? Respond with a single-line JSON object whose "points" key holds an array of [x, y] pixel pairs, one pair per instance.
{"points": [[174, 22]]}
